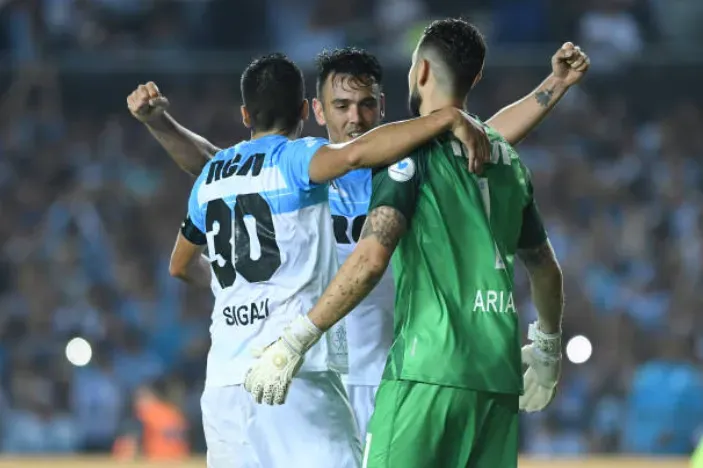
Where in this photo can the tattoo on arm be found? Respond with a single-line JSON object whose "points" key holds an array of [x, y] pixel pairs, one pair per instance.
{"points": [[386, 224], [544, 97], [363, 269]]}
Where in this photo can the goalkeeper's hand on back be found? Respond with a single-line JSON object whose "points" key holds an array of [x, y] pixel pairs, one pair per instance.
{"points": [[543, 360], [269, 378]]}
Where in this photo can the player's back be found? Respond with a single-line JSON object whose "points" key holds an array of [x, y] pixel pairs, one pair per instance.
{"points": [[271, 248], [456, 322]]}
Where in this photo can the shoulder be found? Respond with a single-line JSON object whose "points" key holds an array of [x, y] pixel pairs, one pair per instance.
{"points": [[403, 170], [410, 166], [306, 143], [298, 152]]}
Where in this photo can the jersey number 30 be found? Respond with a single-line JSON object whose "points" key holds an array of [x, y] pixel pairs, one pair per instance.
{"points": [[228, 236]]}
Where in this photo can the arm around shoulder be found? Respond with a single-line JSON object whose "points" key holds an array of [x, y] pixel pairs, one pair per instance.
{"points": [[381, 146]]}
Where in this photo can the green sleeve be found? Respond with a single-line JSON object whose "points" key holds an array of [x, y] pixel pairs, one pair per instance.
{"points": [[532, 234], [398, 185]]}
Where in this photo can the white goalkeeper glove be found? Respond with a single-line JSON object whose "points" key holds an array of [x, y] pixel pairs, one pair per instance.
{"points": [[543, 360], [269, 378]]}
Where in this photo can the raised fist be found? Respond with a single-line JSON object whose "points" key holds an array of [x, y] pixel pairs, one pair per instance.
{"points": [[146, 103], [570, 63]]}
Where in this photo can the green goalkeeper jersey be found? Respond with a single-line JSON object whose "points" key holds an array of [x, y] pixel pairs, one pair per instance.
{"points": [[456, 321]]}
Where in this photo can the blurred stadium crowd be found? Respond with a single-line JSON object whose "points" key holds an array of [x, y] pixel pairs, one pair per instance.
{"points": [[90, 205]]}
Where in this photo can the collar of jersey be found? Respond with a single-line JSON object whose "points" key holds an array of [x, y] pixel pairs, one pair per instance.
{"points": [[268, 137]]}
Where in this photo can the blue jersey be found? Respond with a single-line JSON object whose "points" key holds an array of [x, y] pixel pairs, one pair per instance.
{"points": [[270, 245]]}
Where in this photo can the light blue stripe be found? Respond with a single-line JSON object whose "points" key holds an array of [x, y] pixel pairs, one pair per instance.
{"points": [[286, 201], [353, 194]]}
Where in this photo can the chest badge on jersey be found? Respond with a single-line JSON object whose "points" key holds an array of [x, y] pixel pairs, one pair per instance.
{"points": [[402, 171]]}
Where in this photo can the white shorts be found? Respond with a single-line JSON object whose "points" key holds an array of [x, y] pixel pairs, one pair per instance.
{"points": [[362, 399], [314, 428]]}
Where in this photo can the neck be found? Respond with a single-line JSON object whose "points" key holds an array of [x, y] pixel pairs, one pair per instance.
{"points": [[434, 103], [291, 135]]}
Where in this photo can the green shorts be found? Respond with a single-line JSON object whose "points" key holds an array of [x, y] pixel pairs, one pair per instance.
{"points": [[419, 425]]}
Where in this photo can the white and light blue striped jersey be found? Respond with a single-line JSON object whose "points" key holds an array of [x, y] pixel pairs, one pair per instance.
{"points": [[270, 244], [369, 327]]}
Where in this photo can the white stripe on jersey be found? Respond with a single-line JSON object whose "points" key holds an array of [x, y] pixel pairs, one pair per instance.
{"points": [[250, 316], [270, 179]]}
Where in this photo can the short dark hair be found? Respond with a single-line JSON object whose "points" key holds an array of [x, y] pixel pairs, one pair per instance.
{"points": [[347, 61], [273, 90], [460, 46]]}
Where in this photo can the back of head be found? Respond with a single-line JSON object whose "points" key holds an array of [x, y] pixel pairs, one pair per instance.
{"points": [[457, 49], [273, 91], [350, 61]]}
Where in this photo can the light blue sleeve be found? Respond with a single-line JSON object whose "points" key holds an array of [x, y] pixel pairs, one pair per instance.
{"points": [[295, 161], [195, 212]]}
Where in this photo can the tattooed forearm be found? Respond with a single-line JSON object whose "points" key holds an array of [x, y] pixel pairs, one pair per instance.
{"points": [[386, 224], [544, 97], [354, 281], [363, 269]]}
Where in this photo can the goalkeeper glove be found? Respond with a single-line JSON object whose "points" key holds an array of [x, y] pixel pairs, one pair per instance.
{"points": [[543, 360], [269, 378]]}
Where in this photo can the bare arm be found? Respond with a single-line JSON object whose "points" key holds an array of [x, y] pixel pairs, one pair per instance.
{"points": [[363, 269], [187, 263], [391, 142], [516, 121], [187, 149], [547, 285]]}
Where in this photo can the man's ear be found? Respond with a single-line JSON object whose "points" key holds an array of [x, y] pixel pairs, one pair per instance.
{"points": [[423, 71], [477, 79], [246, 119], [382, 105], [319, 112]]}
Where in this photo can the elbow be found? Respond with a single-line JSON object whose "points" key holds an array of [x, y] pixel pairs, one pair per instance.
{"points": [[194, 168], [512, 137], [557, 280], [556, 273], [353, 157], [375, 273], [373, 259], [376, 266], [550, 276], [177, 271]]}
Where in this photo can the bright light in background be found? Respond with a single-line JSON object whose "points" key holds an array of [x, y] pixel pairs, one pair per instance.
{"points": [[79, 352], [579, 349]]}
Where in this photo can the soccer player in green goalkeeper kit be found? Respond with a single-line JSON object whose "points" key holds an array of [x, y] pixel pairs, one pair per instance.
{"points": [[453, 383]]}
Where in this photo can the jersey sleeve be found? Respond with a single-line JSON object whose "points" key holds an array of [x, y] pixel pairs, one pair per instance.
{"points": [[532, 234], [193, 226], [398, 185], [295, 163]]}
